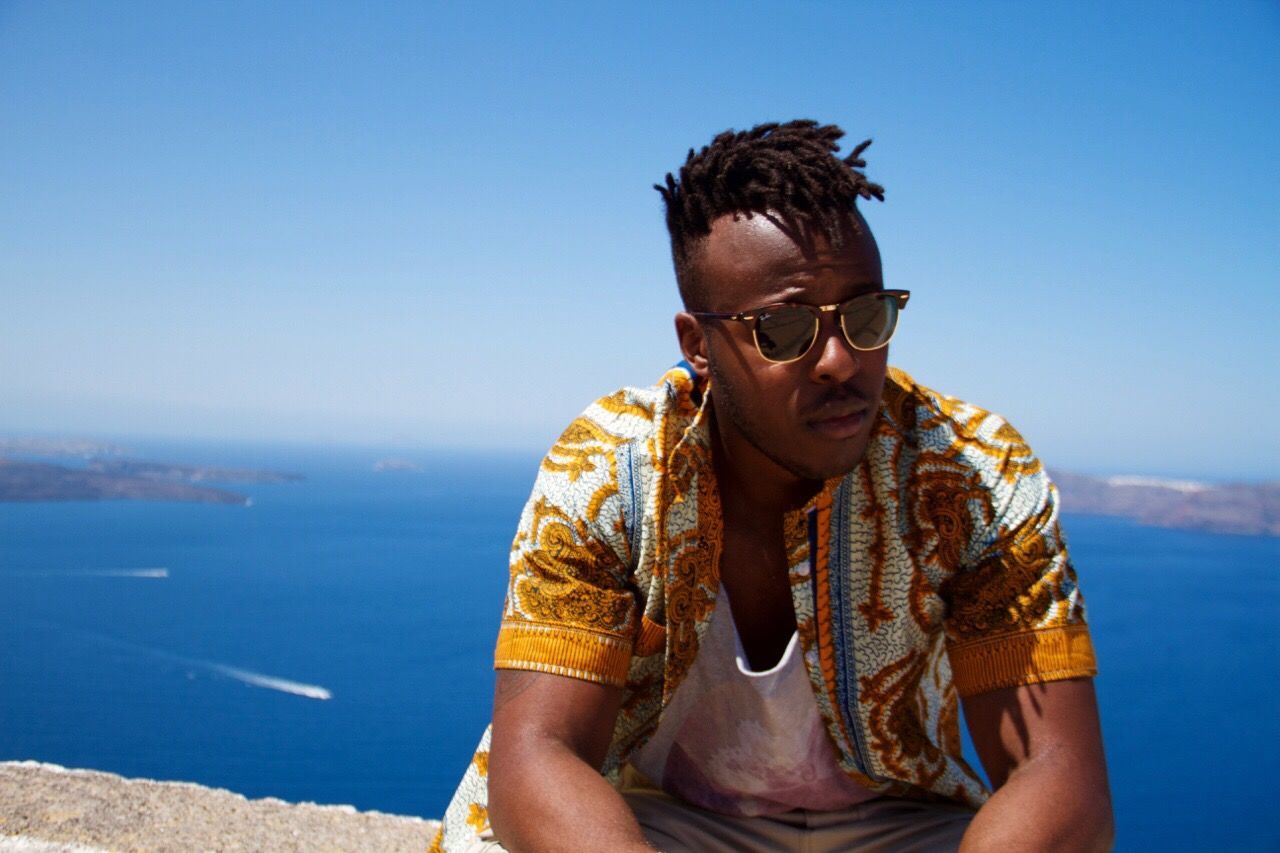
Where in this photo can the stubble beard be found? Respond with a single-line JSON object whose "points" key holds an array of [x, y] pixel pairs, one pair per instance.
{"points": [[726, 404]]}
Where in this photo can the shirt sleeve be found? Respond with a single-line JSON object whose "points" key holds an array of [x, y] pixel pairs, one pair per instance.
{"points": [[570, 609], [1016, 615]]}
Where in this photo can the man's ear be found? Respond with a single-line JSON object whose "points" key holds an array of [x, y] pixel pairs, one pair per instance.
{"points": [[693, 343]]}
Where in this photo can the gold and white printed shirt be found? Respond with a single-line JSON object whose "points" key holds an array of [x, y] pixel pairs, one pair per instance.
{"points": [[933, 570]]}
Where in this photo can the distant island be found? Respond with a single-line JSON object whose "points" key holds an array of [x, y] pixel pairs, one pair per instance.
{"points": [[396, 464], [29, 480], [105, 472], [187, 473], [41, 481], [1244, 508], [81, 447]]}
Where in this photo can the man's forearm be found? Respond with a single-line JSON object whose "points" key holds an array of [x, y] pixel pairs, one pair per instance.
{"points": [[1044, 806], [548, 798]]}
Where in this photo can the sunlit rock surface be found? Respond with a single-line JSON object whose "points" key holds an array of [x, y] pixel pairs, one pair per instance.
{"points": [[46, 808]]}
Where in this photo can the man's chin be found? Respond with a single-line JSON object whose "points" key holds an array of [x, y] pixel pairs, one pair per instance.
{"points": [[829, 465]]}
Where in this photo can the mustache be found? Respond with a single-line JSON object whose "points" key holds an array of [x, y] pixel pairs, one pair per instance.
{"points": [[836, 402]]}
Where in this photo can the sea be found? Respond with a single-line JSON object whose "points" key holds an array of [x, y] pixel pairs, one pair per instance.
{"points": [[332, 642]]}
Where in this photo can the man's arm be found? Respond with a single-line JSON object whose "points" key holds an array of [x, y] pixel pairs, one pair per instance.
{"points": [[550, 736], [1041, 745]]}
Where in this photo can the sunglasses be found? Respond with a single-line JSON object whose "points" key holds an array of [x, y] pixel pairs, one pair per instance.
{"points": [[785, 331]]}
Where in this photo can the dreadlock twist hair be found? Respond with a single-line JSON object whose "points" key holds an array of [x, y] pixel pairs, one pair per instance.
{"points": [[789, 170]]}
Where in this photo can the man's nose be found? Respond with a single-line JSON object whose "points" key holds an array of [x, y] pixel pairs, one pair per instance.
{"points": [[837, 362]]}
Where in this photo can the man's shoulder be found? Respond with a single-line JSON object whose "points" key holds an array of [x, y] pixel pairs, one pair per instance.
{"points": [[631, 418], [914, 407], [938, 424], [635, 413]]}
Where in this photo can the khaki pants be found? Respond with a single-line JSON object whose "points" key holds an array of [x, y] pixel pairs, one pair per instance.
{"points": [[884, 825]]}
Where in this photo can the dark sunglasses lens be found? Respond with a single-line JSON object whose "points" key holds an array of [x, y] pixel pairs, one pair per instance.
{"points": [[869, 321], [785, 333]]}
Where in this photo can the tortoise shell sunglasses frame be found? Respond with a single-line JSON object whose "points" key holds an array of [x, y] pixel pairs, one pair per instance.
{"points": [[786, 319]]}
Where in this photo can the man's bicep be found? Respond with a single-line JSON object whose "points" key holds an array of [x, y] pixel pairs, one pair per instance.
{"points": [[571, 603], [535, 709], [1015, 614], [1053, 721]]}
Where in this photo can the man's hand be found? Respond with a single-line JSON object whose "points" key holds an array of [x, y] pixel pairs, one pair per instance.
{"points": [[550, 736], [1041, 745]]}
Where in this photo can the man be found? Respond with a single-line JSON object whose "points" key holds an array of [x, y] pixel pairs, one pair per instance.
{"points": [[743, 602]]}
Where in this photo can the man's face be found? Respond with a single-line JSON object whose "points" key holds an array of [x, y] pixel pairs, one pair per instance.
{"points": [[812, 417]]}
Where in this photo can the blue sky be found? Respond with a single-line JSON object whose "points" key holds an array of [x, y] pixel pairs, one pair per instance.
{"points": [[433, 225]]}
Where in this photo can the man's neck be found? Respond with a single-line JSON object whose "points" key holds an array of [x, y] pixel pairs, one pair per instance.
{"points": [[752, 482]]}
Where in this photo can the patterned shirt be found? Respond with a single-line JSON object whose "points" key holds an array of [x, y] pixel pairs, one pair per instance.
{"points": [[935, 569]]}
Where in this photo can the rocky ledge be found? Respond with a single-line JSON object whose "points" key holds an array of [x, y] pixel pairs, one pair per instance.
{"points": [[46, 808]]}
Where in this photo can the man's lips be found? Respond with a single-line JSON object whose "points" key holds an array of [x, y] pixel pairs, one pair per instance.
{"points": [[840, 423]]}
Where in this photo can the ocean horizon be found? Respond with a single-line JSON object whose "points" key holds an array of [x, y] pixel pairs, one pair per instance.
{"points": [[333, 641]]}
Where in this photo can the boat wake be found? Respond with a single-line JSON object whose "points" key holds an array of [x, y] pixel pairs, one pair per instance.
{"points": [[245, 676], [94, 573], [270, 682]]}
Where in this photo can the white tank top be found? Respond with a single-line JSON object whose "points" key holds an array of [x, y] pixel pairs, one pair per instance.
{"points": [[746, 743]]}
